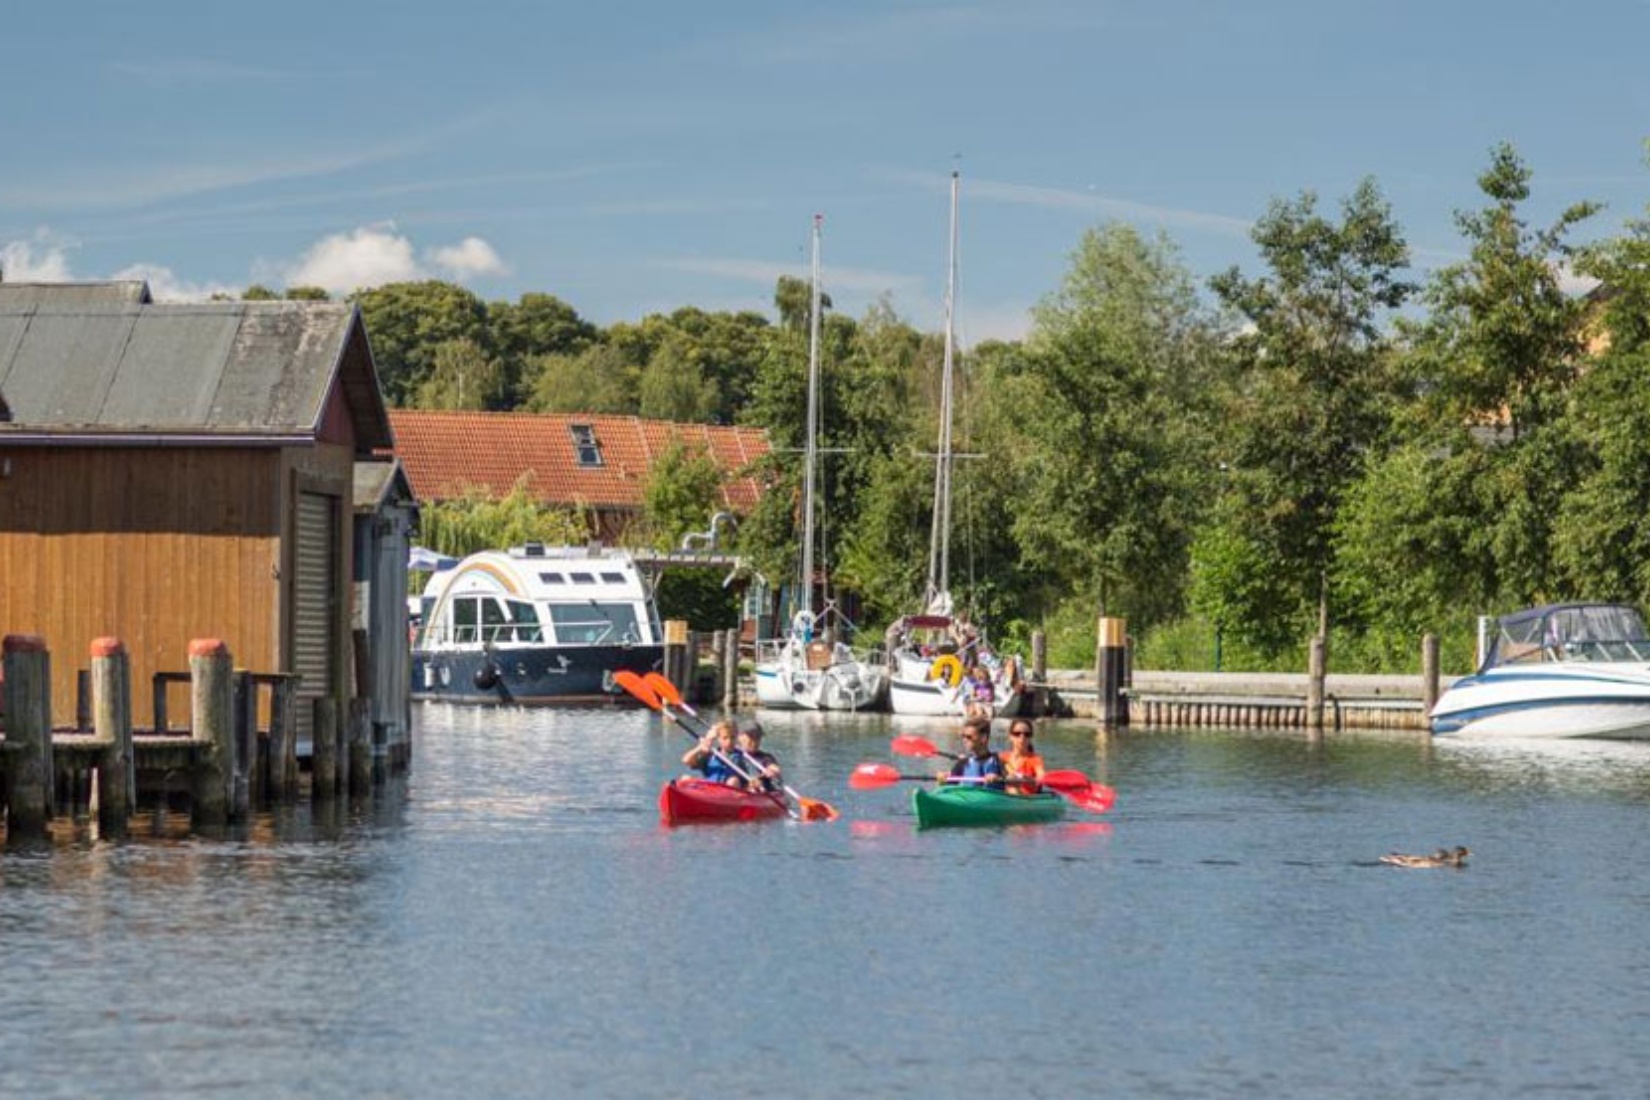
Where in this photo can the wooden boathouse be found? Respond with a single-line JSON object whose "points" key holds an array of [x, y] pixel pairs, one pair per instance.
{"points": [[173, 472]]}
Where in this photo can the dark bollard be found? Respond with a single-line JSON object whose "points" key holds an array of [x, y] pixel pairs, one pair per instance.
{"points": [[212, 727], [359, 778], [111, 720], [1429, 677], [1314, 685], [28, 689], [1111, 673]]}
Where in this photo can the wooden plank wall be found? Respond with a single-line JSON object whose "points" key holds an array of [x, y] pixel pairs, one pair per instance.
{"points": [[154, 545]]}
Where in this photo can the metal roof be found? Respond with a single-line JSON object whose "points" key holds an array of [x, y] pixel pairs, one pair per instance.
{"points": [[380, 481], [244, 371], [131, 291]]}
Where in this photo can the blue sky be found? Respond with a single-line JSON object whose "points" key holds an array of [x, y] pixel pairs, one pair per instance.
{"points": [[635, 157]]}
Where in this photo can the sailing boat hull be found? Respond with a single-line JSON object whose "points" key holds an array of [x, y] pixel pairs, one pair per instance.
{"points": [[847, 683]]}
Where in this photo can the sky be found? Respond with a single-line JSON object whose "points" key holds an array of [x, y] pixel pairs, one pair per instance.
{"points": [[637, 157]]}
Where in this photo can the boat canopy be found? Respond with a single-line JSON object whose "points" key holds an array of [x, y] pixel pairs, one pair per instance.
{"points": [[1557, 632]]}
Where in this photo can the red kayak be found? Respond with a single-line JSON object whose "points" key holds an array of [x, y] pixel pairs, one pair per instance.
{"points": [[689, 800]]}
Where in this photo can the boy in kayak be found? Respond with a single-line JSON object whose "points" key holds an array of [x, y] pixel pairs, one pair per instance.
{"points": [[978, 766], [761, 767], [1022, 762], [713, 756]]}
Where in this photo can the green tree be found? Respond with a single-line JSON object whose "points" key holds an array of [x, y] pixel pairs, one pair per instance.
{"points": [[406, 322], [474, 521], [600, 379], [535, 325], [1310, 402], [462, 377], [674, 387]]}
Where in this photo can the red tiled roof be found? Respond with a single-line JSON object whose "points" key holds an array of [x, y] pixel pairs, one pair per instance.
{"points": [[447, 453]]}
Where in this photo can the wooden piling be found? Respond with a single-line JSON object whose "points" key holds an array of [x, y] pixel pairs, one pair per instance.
{"points": [[111, 721], [1429, 674], [359, 777], [323, 752], [29, 786], [1314, 684], [283, 740], [676, 654], [730, 671], [212, 727]]}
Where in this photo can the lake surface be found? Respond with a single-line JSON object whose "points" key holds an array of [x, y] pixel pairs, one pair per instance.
{"points": [[511, 920]]}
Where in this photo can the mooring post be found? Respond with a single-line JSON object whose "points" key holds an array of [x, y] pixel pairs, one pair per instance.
{"points": [[29, 789], [676, 642], [1314, 685], [283, 737], [1429, 677], [111, 719], [730, 670], [1111, 673], [323, 751], [212, 728], [359, 780]]}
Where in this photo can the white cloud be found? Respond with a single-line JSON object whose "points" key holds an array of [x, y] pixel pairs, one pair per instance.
{"points": [[373, 255], [42, 260], [467, 259]]}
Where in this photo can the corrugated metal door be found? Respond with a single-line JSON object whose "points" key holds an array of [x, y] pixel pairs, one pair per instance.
{"points": [[314, 602]]}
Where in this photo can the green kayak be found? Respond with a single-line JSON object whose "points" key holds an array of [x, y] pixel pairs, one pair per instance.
{"points": [[963, 805]]}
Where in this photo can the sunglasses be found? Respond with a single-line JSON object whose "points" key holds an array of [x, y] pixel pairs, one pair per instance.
{"points": [[1019, 733]]}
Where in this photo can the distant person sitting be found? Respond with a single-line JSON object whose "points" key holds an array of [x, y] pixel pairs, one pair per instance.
{"points": [[761, 768], [713, 755], [978, 765]]}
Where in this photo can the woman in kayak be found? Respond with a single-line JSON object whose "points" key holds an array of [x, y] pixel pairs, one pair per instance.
{"points": [[761, 768], [1022, 764], [713, 756], [978, 766]]}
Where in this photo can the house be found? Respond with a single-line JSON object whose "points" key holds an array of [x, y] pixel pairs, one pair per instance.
{"points": [[171, 472], [594, 464]]}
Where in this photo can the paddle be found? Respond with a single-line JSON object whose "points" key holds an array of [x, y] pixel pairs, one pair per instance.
{"points": [[1074, 786], [812, 809], [645, 693]]}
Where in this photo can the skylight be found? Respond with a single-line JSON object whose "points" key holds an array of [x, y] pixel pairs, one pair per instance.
{"points": [[585, 448]]}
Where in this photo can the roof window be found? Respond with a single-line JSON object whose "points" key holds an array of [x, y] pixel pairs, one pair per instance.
{"points": [[585, 448]]}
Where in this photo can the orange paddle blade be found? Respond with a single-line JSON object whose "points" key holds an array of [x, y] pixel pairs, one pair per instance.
{"points": [[636, 687], [870, 775], [661, 685], [815, 810]]}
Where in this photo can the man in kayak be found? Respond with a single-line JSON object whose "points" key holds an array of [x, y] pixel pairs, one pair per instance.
{"points": [[761, 767], [713, 755], [978, 766]]}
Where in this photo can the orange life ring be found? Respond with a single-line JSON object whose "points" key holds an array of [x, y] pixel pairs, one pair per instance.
{"points": [[948, 668]]}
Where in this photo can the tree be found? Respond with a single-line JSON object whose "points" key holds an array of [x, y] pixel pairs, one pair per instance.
{"points": [[536, 325], [1309, 407], [683, 492], [406, 322], [600, 379], [673, 387], [462, 377]]}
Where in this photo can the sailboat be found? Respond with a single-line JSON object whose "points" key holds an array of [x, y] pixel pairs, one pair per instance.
{"points": [[939, 663], [807, 669]]}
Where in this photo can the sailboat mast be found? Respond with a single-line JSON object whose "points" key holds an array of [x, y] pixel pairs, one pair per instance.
{"points": [[939, 553], [810, 446]]}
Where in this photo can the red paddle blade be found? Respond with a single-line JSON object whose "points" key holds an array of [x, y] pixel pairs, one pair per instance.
{"points": [[1096, 800], [1067, 782], [634, 684], [909, 744], [870, 775]]}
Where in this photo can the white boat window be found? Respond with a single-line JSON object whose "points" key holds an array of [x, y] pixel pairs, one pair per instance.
{"points": [[551, 578], [595, 624], [613, 578], [526, 619], [582, 578]]}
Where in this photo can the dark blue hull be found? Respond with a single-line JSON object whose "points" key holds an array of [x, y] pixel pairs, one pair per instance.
{"points": [[529, 674]]}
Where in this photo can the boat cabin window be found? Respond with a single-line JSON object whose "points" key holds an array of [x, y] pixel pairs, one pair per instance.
{"points": [[582, 578], [595, 624], [551, 578], [613, 578], [485, 619]]}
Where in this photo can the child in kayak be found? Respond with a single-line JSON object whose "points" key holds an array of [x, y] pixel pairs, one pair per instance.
{"points": [[713, 756], [979, 766], [761, 768], [1022, 762]]}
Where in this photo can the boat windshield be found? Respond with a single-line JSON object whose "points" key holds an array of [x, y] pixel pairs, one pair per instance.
{"points": [[595, 624], [1596, 632]]}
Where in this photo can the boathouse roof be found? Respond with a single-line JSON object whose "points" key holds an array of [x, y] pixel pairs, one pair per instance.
{"points": [[567, 459], [104, 363]]}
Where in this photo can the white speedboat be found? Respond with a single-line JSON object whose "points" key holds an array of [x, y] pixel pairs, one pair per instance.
{"points": [[1565, 670]]}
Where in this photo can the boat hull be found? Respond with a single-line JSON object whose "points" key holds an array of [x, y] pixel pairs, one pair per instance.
{"points": [[699, 801], [1546, 705], [785, 682], [959, 805], [529, 674], [914, 692]]}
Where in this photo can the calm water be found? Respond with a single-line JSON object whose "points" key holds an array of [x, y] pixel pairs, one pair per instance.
{"points": [[513, 921]]}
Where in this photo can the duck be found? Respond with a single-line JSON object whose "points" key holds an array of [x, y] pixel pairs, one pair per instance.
{"points": [[1443, 857]]}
